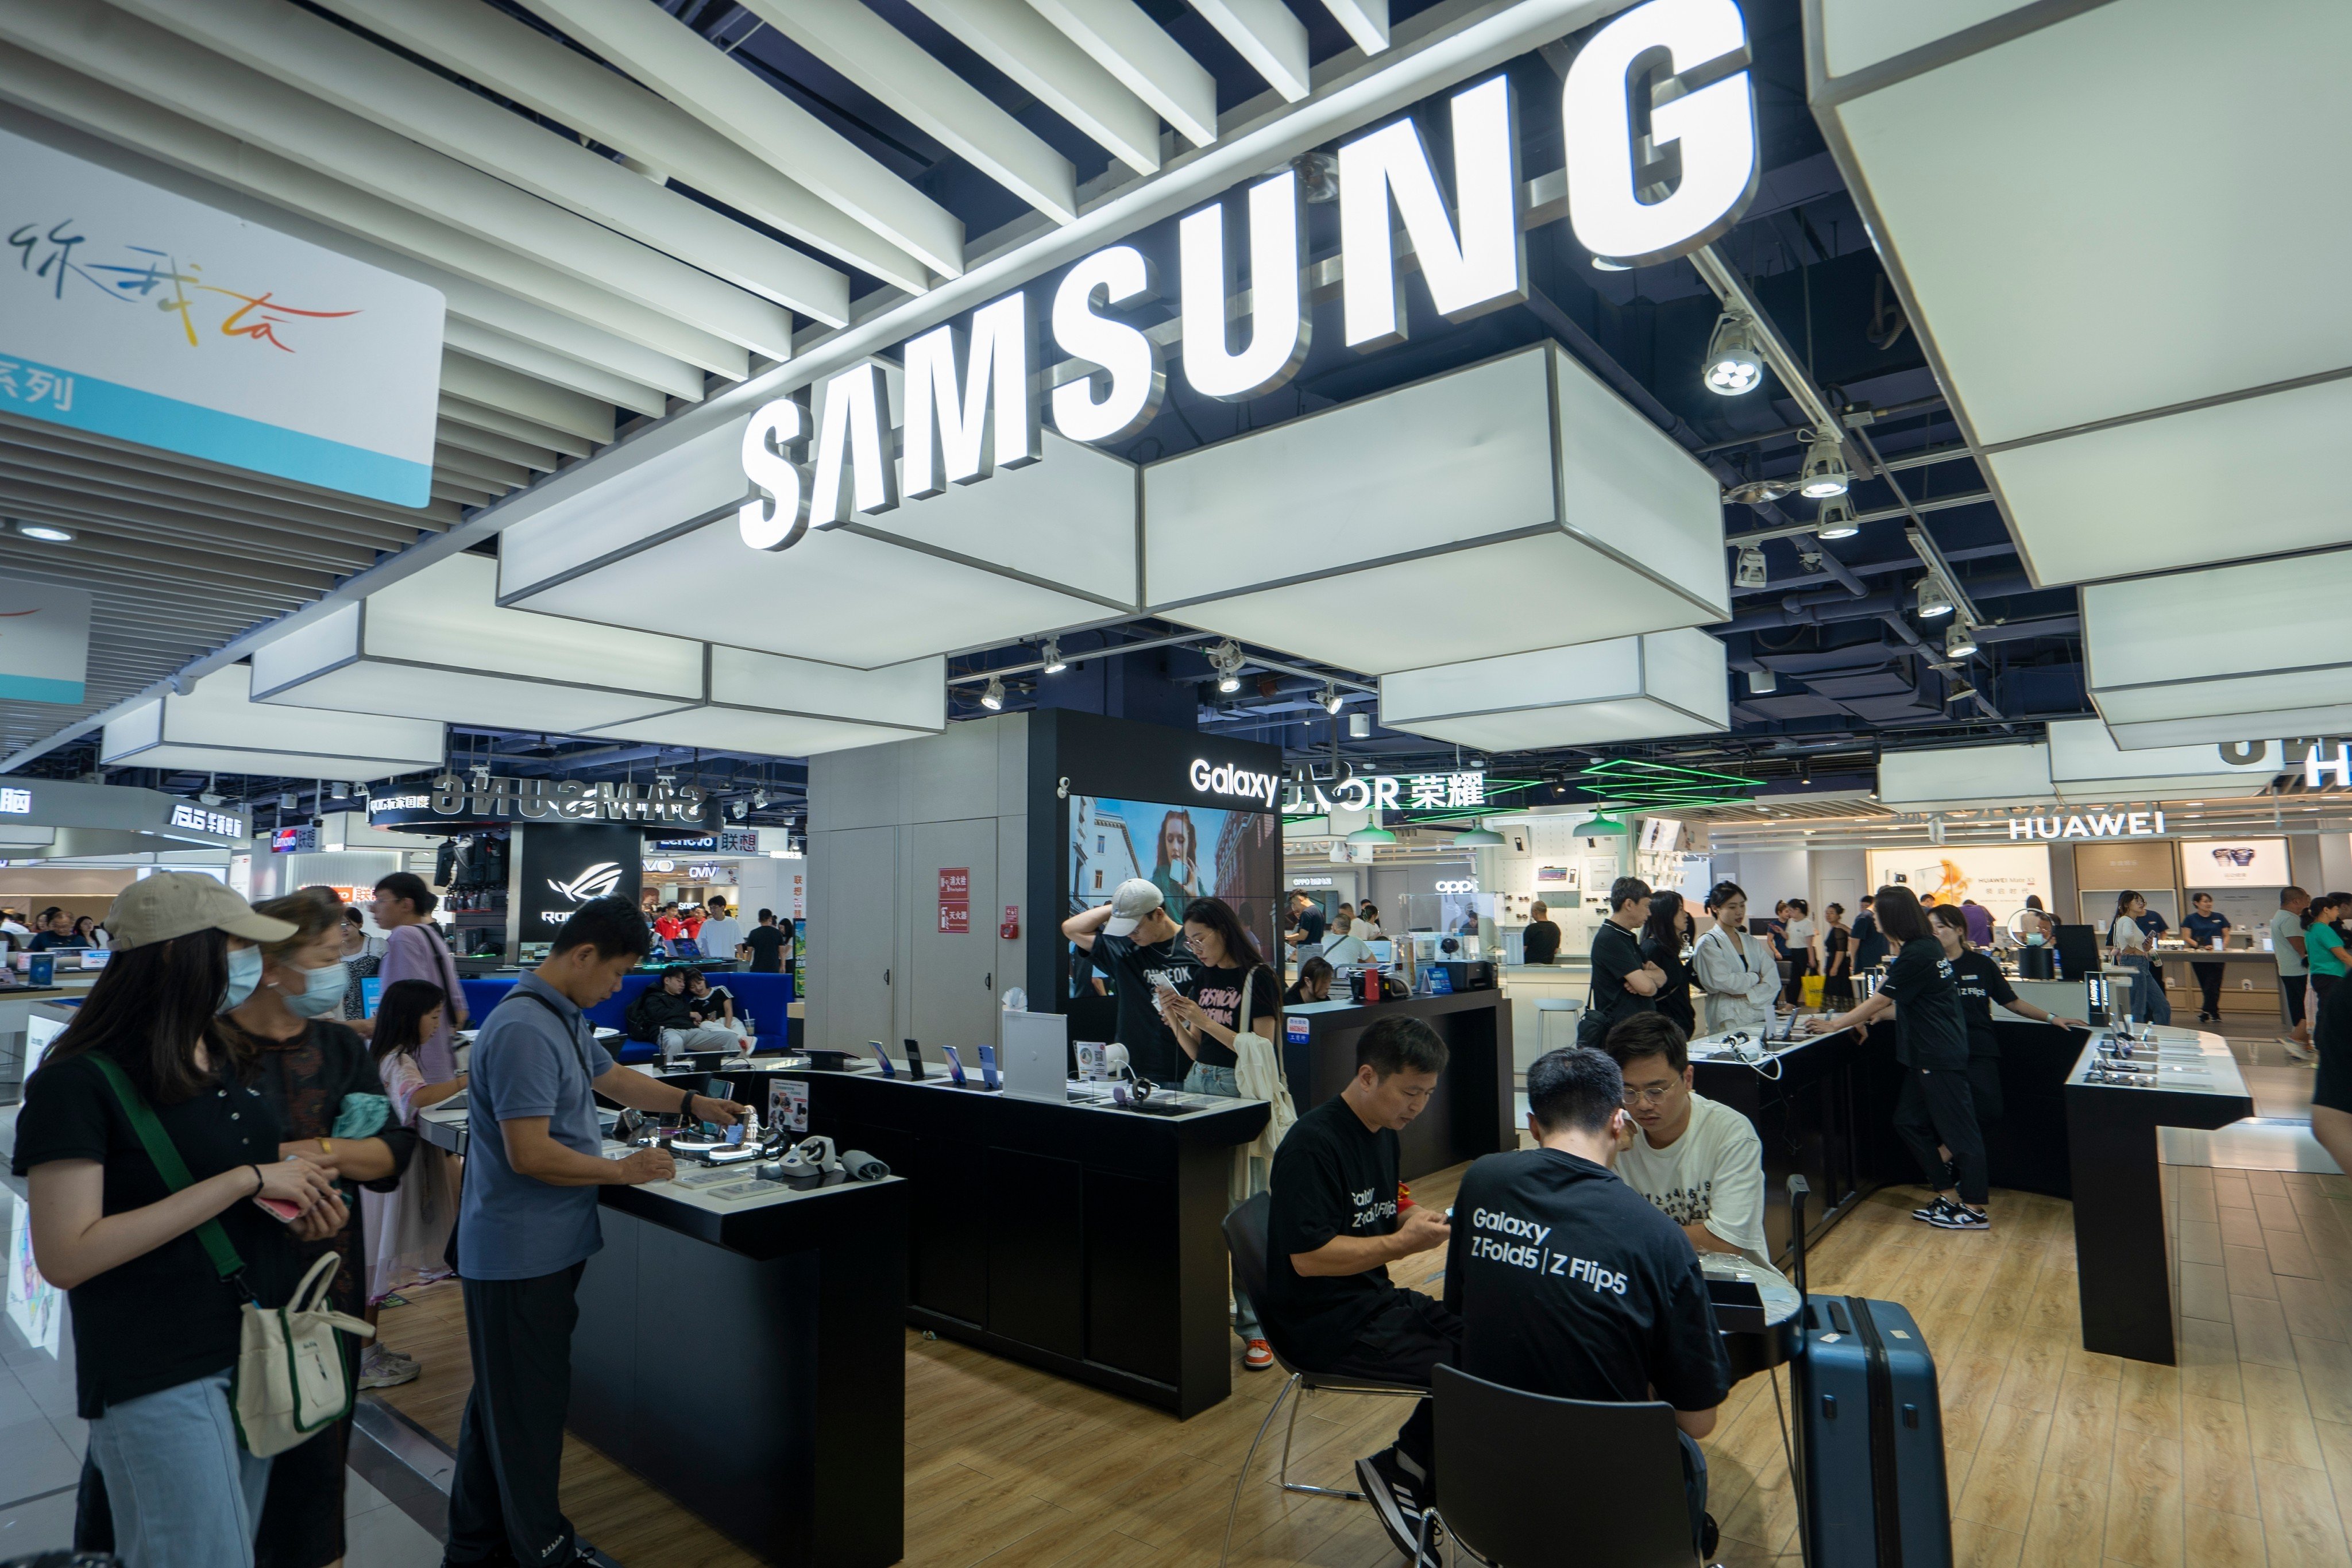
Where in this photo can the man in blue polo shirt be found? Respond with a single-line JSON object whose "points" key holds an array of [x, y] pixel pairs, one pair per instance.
{"points": [[526, 1225]]}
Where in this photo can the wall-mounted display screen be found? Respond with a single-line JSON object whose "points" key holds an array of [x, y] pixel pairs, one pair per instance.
{"points": [[1997, 877], [2235, 863], [1186, 851]]}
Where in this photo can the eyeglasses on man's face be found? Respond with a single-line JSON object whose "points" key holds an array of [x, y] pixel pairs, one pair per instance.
{"points": [[1655, 1095]]}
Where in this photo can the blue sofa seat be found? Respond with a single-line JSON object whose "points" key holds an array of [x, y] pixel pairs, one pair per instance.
{"points": [[762, 998]]}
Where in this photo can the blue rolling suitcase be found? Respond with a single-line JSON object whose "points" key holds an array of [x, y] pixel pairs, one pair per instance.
{"points": [[1871, 1437]]}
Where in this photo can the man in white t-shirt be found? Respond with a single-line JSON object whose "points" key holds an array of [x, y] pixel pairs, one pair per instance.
{"points": [[721, 932], [2293, 967], [1700, 1163]]}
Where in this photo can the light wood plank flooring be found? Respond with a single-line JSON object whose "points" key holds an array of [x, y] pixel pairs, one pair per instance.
{"points": [[2056, 1456]]}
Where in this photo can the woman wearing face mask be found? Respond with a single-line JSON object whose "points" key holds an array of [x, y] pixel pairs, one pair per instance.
{"points": [[155, 1326], [333, 1113]]}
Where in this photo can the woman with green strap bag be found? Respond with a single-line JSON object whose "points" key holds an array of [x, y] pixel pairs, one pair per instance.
{"points": [[145, 1146]]}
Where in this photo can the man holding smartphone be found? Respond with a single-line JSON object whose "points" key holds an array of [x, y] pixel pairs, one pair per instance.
{"points": [[526, 1225]]}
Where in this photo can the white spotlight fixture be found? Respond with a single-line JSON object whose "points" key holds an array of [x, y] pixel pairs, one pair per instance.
{"points": [[1933, 599], [1225, 658], [1359, 726], [737, 810], [1835, 520], [759, 800], [1960, 641], [1825, 473], [1762, 683], [48, 534], [1751, 573], [1329, 698], [1052, 656], [994, 698], [1734, 362]]}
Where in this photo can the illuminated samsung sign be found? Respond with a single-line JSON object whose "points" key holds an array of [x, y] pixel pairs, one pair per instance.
{"points": [[1642, 188]]}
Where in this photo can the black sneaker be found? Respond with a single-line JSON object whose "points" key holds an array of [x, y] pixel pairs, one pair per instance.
{"points": [[1931, 1209], [1396, 1500], [1959, 1216], [1708, 1537]]}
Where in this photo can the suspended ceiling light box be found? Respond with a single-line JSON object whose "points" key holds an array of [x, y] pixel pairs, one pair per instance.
{"points": [[436, 646], [2170, 662], [2084, 764], [2171, 127], [1628, 688], [797, 707], [1964, 777], [1471, 515], [217, 728], [1032, 550]]}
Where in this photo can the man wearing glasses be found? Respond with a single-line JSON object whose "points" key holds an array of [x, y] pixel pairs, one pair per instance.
{"points": [[1700, 1163]]}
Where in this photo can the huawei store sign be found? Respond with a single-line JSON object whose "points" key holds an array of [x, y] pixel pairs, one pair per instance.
{"points": [[970, 394]]}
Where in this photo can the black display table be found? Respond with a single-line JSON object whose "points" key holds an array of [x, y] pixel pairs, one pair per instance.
{"points": [[2123, 1268], [1807, 1120], [1471, 1112]]}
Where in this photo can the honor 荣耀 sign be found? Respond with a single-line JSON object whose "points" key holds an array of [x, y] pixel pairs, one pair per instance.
{"points": [[970, 394]]}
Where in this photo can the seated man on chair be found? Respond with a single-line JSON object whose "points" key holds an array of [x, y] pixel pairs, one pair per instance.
{"points": [[1334, 1226], [1699, 1161], [1569, 1283]]}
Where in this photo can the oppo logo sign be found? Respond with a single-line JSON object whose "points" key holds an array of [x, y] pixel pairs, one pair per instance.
{"points": [[970, 402], [1465, 885]]}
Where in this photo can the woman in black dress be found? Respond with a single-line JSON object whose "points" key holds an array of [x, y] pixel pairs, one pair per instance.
{"points": [[1837, 959], [1662, 944]]}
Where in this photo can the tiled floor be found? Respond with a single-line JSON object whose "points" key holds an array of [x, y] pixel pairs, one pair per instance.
{"points": [[41, 1448]]}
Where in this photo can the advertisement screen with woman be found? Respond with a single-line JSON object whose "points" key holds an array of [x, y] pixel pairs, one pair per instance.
{"points": [[1187, 852]]}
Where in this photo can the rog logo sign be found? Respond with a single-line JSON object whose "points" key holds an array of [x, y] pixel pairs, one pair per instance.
{"points": [[600, 880]]}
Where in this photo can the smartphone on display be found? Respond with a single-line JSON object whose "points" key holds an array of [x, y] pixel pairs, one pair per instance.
{"points": [[955, 1066], [988, 1068], [914, 1061], [882, 1056]]}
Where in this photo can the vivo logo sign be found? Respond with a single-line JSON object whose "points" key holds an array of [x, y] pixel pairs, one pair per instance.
{"points": [[1228, 780], [1640, 189], [2100, 824]]}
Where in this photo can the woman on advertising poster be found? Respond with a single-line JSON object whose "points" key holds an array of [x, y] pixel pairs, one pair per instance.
{"points": [[1177, 870]]}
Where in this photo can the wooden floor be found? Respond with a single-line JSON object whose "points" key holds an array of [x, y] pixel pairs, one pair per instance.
{"points": [[2056, 1456]]}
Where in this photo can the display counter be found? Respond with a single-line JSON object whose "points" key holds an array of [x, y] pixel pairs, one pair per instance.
{"points": [[747, 1354], [1524, 984], [1078, 1238], [2124, 1276], [1472, 1111]]}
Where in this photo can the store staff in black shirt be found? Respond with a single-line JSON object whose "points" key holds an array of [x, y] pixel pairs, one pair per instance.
{"points": [[1572, 1284], [1539, 943], [1132, 940], [768, 942], [1623, 982], [1333, 1227], [1981, 983], [1937, 1110]]}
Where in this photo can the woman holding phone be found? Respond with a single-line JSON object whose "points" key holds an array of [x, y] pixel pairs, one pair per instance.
{"points": [[155, 1326]]}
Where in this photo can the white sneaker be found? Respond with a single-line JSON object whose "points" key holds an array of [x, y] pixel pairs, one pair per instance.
{"points": [[2296, 1051], [381, 1371]]}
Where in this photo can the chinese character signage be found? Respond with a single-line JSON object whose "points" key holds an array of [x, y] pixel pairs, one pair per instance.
{"points": [[135, 312], [1410, 792], [15, 802], [955, 901], [44, 637]]}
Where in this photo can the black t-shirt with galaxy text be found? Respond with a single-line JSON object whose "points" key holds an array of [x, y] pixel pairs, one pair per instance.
{"points": [[1929, 1031], [1981, 983], [1572, 1284], [1138, 971], [1332, 1176]]}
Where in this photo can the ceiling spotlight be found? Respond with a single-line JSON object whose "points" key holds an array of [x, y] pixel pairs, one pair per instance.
{"points": [[1825, 473], [1757, 492], [1602, 264], [1751, 573], [1225, 658], [1960, 641], [1055, 662], [1734, 362], [48, 534], [994, 698], [1359, 726], [1933, 600], [1329, 698], [1762, 683], [738, 810], [1835, 520], [341, 791]]}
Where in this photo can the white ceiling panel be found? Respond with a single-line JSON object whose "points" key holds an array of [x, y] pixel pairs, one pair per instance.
{"points": [[1628, 688], [1964, 775], [217, 728], [2086, 765]]}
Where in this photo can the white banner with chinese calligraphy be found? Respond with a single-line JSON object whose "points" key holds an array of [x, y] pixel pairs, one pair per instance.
{"points": [[135, 312], [44, 642]]}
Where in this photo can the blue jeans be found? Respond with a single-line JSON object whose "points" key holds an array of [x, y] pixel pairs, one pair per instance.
{"points": [[185, 1493], [2152, 1004], [1219, 1081]]}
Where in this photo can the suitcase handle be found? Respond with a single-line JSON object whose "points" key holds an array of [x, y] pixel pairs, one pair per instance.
{"points": [[1799, 1188]]}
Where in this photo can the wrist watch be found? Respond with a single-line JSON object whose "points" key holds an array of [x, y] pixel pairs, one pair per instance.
{"points": [[686, 1106]]}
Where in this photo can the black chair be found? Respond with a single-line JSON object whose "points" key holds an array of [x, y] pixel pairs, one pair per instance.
{"points": [[1245, 1240], [1502, 1456]]}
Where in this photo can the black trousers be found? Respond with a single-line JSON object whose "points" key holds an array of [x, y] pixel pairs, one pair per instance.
{"points": [[502, 1501], [2208, 983], [1984, 1090], [1937, 1106], [1405, 1342]]}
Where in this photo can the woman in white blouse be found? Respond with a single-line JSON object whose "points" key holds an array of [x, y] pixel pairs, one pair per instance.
{"points": [[2130, 948], [1736, 971]]}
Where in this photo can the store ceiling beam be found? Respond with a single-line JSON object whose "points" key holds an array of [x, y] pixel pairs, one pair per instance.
{"points": [[478, 381], [221, 589], [511, 476], [162, 600], [1268, 36], [102, 491], [313, 56], [242, 102], [1883, 514], [462, 490], [1010, 36], [484, 442], [103, 535], [691, 72], [125, 482], [514, 426], [430, 247], [1136, 49], [544, 75], [495, 346], [898, 71]]}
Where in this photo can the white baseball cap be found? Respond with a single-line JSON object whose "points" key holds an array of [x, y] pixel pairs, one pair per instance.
{"points": [[1135, 899]]}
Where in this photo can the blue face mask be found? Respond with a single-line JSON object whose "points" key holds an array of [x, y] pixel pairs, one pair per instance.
{"points": [[243, 975], [321, 993]]}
